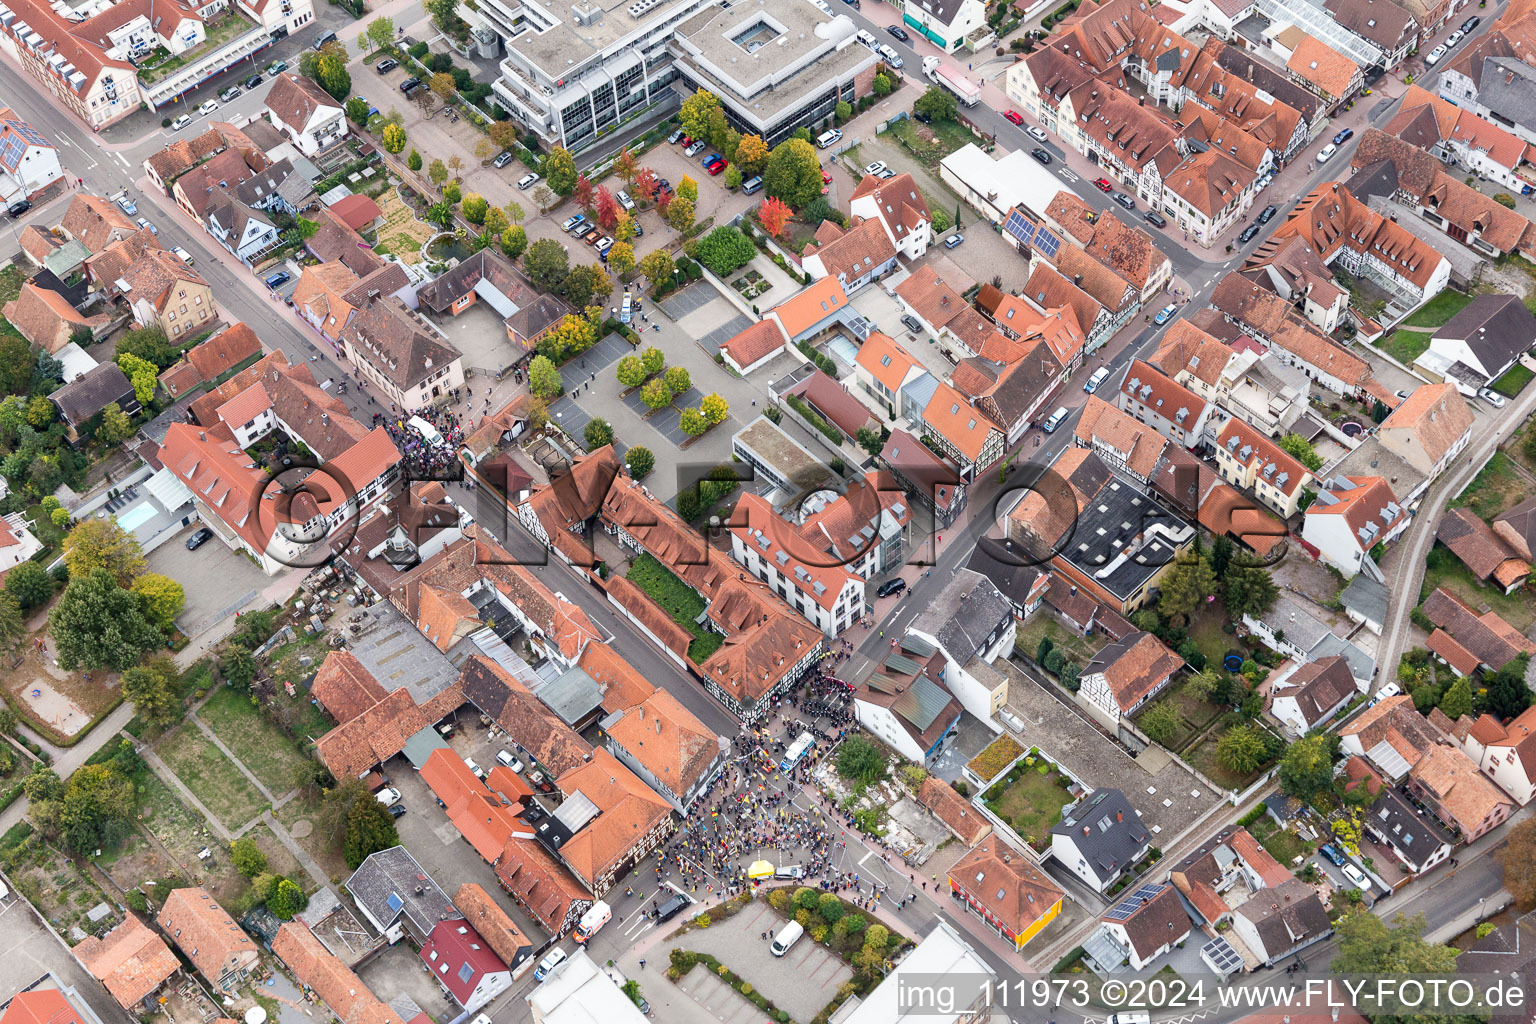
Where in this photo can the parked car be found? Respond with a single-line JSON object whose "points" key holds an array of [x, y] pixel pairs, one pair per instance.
{"points": [[469, 762], [1326, 153], [410, 85], [527, 182], [1332, 852], [674, 137], [673, 907], [281, 277], [1041, 155], [143, 222], [602, 245], [127, 205], [716, 167], [1471, 23], [506, 759], [199, 538], [503, 158], [592, 235], [1493, 398], [875, 168], [795, 871], [1246, 235], [229, 94], [1154, 218], [1124, 200], [323, 38], [1103, 184], [572, 221], [277, 67], [910, 323], [181, 254], [890, 587], [624, 200], [899, 33], [555, 958], [253, 81], [953, 240], [1436, 56], [181, 122], [386, 65], [1267, 214], [388, 795], [694, 148], [1165, 314], [1454, 39], [1388, 691], [19, 207], [1035, 133], [397, 810], [826, 182], [1014, 117], [710, 159], [1356, 876], [1344, 135]]}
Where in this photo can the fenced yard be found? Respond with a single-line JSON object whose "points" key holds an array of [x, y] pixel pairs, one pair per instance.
{"points": [[1030, 798]]}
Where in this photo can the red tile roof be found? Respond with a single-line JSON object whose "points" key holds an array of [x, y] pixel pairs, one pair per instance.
{"points": [[458, 958], [206, 933], [131, 961], [474, 810]]}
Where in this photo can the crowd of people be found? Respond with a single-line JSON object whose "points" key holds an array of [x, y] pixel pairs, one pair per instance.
{"points": [[425, 459]]}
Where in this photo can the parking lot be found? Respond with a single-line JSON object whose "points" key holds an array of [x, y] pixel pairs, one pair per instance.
{"points": [[218, 580]]}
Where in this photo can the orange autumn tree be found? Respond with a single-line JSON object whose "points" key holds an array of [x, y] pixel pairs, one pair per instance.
{"points": [[773, 214]]}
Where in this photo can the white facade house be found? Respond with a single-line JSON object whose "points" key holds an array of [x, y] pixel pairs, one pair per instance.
{"points": [[1506, 753], [29, 163], [898, 204], [304, 112], [1350, 516], [1307, 696], [945, 23], [1164, 405], [245, 232], [1100, 838], [17, 543]]}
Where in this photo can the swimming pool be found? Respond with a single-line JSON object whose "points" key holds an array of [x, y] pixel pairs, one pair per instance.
{"points": [[136, 517], [843, 348]]}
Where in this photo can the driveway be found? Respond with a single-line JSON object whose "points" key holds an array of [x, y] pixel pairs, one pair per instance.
{"points": [[398, 969], [217, 579]]}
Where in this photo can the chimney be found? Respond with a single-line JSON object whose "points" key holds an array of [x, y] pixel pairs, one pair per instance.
{"points": [[1119, 815], [1077, 279]]}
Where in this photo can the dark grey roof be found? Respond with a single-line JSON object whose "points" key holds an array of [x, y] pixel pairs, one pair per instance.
{"points": [[943, 10], [390, 883], [398, 655], [1414, 834], [1367, 597], [91, 392], [1286, 916], [1106, 830], [1007, 570], [1509, 89], [1378, 180], [1497, 328], [965, 615]]}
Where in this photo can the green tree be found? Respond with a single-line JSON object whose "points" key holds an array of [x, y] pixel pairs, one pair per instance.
{"points": [[247, 857], [656, 266], [13, 628], [393, 138], [631, 371], [1458, 699], [1368, 945], [1246, 588], [692, 422], [475, 208], [1300, 449], [733, 177], [141, 374], [60, 517], [1507, 694], [598, 433], [869, 440], [678, 379], [1306, 767], [331, 72], [695, 111], [1043, 648], [560, 171], [1241, 749], [452, 193], [844, 111], [514, 240], [437, 171], [1187, 583], [830, 907], [656, 394], [938, 104], [237, 666], [725, 249], [152, 689], [149, 344], [357, 110], [115, 427], [751, 154], [414, 161], [653, 360], [640, 462], [882, 85], [162, 597], [543, 379], [547, 264], [622, 258], [860, 761], [30, 584], [1160, 721], [102, 544], [688, 189], [680, 214], [287, 899], [381, 32], [97, 624], [580, 285], [369, 830], [793, 173]]}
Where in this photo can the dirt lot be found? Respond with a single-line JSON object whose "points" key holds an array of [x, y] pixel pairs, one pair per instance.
{"points": [[62, 704]]}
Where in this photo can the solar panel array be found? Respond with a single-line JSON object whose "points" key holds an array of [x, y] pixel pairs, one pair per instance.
{"points": [[1134, 902], [1221, 956], [1019, 228], [1047, 243], [11, 151], [27, 132]]}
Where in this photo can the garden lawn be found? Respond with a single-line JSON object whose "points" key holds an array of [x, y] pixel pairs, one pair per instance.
{"points": [[263, 748], [1404, 344], [1205, 630], [403, 234], [1080, 649], [11, 280], [931, 143], [1514, 380], [1282, 844], [1438, 310], [677, 599], [1498, 487], [1194, 715], [211, 776], [1203, 757], [1445, 570], [1033, 804]]}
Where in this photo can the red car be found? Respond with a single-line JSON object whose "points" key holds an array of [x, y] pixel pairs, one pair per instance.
{"points": [[716, 167], [1014, 116], [826, 182], [1103, 185]]}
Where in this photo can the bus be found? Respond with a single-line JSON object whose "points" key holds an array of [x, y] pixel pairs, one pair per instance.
{"points": [[796, 752]]}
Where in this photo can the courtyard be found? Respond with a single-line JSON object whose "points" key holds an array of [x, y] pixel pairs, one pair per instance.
{"points": [[217, 579], [1030, 798]]}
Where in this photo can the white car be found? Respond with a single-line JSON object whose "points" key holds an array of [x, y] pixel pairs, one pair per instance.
{"points": [[1493, 398], [555, 958], [181, 122], [143, 222], [506, 759], [479, 772], [1436, 56], [181, 254], [1390, 690], [208, 107], [1035, 133], [1453, 39], [875, 168], [694, 148], [388, 795], [1327, 153], [527, 181], [624, 200], [1357, 877]]}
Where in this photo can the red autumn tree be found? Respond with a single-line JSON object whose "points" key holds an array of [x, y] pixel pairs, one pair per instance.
{"points": [[626, 167], [773, 214], [663, 200], [646, 183], [607, 208], [583, 193]]}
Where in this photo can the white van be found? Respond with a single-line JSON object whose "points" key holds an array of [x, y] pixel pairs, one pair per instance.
{"points": [[1099, 377], [889, 55], [867, 39], [1129, 1018], [596, 916], [555, 958], [828, 138], [752, 185], [1055, 419], [786, 939]]}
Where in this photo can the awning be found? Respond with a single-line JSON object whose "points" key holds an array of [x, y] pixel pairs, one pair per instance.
{"points": [[760, 869]]}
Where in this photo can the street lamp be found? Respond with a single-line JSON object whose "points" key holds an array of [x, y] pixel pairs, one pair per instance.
{"points": [[1480, 901]]}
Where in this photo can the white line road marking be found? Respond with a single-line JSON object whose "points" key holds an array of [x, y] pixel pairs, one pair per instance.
{"points": [[122, 161], [1068, 175]]}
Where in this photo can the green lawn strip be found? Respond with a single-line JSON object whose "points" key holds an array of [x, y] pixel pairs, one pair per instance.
{"points": [[1497, 487], [1031, 803], [1404, 344], [260, 745], [1514, 380], [211, 776], [1438, 310], [1073, 647], [677, 599]]}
